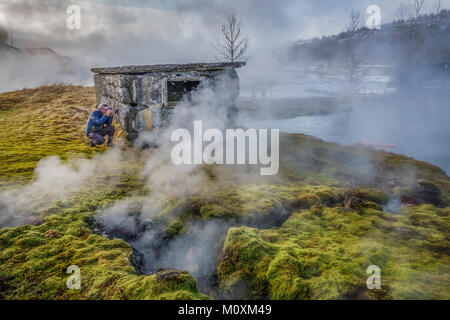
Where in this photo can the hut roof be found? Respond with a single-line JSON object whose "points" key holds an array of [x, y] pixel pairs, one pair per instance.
{"points": [[155, 68]]}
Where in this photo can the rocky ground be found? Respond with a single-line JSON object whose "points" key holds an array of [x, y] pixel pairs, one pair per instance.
{"points": [[308, 233]]}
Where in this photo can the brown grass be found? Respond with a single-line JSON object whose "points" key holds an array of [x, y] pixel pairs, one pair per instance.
{"points": [[35, 123]]}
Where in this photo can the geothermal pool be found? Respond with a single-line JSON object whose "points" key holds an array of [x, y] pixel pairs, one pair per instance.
{"points": [[418, 129]]}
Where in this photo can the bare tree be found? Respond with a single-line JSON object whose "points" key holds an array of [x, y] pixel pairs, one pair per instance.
{"points": [[403, 12], [355, 21], [437, 6], [417, 7], [353, 66], [234, 44]]}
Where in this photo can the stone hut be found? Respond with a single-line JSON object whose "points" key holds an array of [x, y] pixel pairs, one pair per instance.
{"points": [[147, 95]]}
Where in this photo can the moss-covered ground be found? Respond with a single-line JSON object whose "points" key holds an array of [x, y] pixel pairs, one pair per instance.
{"points": [[323, 253], [34, 260], [294, 236]]}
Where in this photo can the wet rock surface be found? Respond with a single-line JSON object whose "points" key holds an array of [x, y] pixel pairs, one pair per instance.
{"points": [[138, 261], [405, 200], [353, 202], [427, 191], [52, 233], [168, 274]]}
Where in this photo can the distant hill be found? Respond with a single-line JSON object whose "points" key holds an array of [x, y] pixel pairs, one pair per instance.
{"points": [[33, 67], [31, 52], [426, 39]]}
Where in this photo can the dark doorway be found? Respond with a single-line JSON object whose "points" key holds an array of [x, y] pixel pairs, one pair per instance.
{"points": [[177, 89]]}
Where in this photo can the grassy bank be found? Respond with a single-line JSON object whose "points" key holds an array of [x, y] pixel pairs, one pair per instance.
{"points": [[36, 123]]}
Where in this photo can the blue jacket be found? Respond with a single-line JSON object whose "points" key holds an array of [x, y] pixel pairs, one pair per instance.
{"points": [[97, 121]]}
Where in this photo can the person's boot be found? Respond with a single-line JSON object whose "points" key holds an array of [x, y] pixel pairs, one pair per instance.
{"points": [[91, 144]]}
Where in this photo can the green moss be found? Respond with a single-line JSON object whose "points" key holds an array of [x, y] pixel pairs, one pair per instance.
{"points": [[283, 280], [325, 256], [249, 202], [243, 263], [308, 200], [34, 266], [176, 226]]}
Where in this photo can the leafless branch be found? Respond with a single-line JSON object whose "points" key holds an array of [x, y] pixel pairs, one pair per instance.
{"points": [[437, 6], [417, 7], [403, 12], [234, 44], [355, 21], [354, 24]]}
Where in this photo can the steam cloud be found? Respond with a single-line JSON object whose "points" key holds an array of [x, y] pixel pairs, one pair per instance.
{"points": [[54, 180], [132, 219]]}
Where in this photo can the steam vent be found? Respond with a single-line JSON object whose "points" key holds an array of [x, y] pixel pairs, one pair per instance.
{"points": [[147, 95]]}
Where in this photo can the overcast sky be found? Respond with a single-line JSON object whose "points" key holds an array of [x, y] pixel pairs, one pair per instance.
{"points": [[159, 31]]}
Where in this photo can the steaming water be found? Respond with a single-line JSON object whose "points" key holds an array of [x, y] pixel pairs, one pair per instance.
{"points": [[419, 131]]}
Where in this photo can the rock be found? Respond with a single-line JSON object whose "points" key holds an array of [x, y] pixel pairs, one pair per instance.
{"points": [[353, 202], [146, 225], [427, 191], [138, 261], [169, 274], [411, 201], [52, 233], [122, 232]]}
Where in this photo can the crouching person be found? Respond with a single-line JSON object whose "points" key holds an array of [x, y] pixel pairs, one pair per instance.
{"points": [[100, 125]]}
